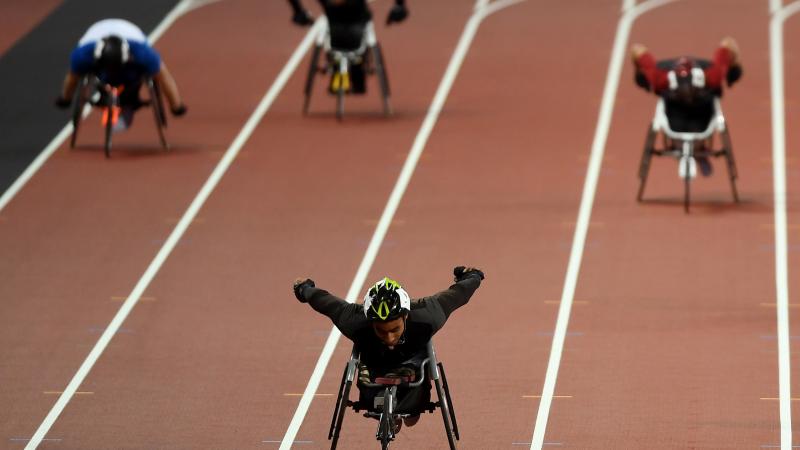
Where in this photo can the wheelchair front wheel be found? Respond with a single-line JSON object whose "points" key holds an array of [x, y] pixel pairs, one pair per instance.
{"points": [[687, 179]]}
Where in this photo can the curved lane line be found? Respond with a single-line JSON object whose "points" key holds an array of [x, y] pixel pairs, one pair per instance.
{"points": [[781, 238], [176, 234], [180, 9], [585, 212], [481, 11]]}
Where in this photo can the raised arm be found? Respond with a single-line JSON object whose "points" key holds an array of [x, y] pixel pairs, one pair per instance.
{"points": [[436, 309], [300, 15], [347, 317]]}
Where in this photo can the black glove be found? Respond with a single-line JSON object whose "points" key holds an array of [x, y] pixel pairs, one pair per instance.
{"points": [[179, 110], [733, 75], [397, 14], [462, 273], [62, 103], [641, 81], [300, 286], [303, 18]]}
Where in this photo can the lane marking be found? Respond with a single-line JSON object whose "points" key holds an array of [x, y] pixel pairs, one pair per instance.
{"points": [[618, 57], [174, 220], [300, 394], [574, 302], [178, 232], [539, 396], [117, 298], [794, 399], [293, 442], [61, 392], [481, 11], [788, 305], [781, 234]]}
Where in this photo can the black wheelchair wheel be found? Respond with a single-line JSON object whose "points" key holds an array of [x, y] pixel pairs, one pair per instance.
{"points": [[383, 78], [445, 413], [340, 101], [110, 105], [160, 116], [647, 156], [386, 426], [313, 68], [338, 411], [80, 98], [687, 180], [733, 174], [449, 402]]}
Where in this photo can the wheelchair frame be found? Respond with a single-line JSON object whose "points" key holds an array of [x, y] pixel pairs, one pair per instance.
{"points": [[387, 417], [685, 146], [90, 84], [338, 65]]}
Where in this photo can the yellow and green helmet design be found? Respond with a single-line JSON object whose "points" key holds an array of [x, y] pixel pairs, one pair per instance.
{"points": [[386, 300]]}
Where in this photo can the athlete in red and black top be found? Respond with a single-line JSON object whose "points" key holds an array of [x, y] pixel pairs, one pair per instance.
{"points": [[391, 331], [688, 85]]}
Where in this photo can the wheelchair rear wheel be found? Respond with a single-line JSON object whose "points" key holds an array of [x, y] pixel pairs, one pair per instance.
{"points": [[383, 78], [157, 103], [342, 402], [647, 156], [728, 152], [81, 97], [313, 68]]}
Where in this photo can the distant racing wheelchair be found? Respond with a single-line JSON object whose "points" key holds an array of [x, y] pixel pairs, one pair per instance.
{"points": [[688, 115], [385, 401], [349, 53], [109, 99]]}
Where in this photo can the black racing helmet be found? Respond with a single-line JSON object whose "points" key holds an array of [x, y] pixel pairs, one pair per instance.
{"points": [[386, 300], [111, 53]]}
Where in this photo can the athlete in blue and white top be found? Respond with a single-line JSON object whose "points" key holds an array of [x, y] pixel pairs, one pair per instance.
{"points": [[117, 52]]}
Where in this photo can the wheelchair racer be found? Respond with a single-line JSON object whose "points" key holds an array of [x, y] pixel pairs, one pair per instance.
{"points": [[117, 53], [688, 85], [347, 20], [392, 331]]}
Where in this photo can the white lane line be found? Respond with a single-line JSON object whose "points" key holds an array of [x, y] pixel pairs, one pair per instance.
{"points": [[781, 237], [585, 212], [392, 204], [180, 9], [775, 6], [177, 233]]}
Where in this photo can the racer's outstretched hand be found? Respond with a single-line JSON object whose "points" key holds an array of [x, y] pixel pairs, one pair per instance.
{"points": [[62, 103], [462, 273], [300, 286], [302, 18], [397, 14]]}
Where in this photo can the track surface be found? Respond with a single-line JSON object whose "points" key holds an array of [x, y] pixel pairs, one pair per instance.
{"points": [[672, 339]]}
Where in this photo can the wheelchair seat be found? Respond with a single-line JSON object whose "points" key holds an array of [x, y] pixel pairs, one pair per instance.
{"points": [[689, 118], [348, 37]]}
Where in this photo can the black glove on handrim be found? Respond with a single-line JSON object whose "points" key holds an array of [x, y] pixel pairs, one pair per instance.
{"points": [[733, 75], [179, 110], [62, 103], [300, 286], [462, 273], [398, 13], [302, 18]]}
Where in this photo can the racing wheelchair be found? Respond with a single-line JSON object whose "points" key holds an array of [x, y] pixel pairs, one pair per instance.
{"points": [[385, 403], [687, 143], [347, 48], [92, 91]]}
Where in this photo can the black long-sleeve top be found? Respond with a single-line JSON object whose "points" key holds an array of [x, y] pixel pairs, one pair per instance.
{"points": [[427, 316]]}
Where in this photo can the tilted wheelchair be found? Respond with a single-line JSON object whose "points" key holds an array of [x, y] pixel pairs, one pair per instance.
{"points": [[92, 91], [686, 143], [347, 48], [384, 410]]}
